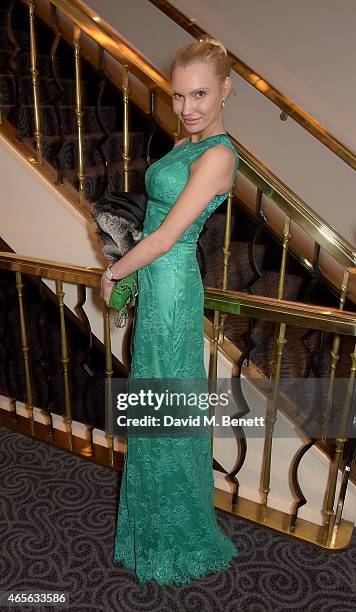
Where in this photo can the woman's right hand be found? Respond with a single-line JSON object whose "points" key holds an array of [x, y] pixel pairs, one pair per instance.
{"points": [[106, 288]]}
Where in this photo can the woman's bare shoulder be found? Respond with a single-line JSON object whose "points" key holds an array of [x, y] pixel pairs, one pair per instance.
{"points": [[220, 154]]}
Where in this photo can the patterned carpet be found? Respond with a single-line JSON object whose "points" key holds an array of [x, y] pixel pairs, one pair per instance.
{"points": [[57, 524]]}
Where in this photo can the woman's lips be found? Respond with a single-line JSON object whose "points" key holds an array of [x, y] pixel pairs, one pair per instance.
{"points": [[189, 121]]}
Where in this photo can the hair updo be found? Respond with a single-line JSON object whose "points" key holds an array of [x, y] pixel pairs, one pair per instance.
{"points": [[208, 50]]}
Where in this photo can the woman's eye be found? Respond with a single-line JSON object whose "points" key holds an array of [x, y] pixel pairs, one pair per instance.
{"points": [[176, 96], [200, 92]]}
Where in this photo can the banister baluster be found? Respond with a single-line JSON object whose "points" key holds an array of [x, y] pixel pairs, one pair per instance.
{"points": [[341, 438], [79, 111], [25, 352], [109, 416], [35, 84], [334, 361], [65, 362], [126, 149]]}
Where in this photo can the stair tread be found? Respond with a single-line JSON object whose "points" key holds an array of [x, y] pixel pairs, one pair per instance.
{"points": [[98, 170], [88, 136], [239, 268], [269, 281], [51, 106], [28, 77]]}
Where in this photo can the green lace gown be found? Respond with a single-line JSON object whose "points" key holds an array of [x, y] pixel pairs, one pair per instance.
{"points": [[167, 529]]}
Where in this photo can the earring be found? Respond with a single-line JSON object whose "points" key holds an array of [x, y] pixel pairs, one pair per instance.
{"points": [[223, 102]]}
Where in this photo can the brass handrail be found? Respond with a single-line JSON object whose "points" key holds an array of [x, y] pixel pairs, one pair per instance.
{"points": [[82, 277], [247, 305], [334, 529], [289, 108], [109, 40], [283, 311], [299, 211], [89, 276]]}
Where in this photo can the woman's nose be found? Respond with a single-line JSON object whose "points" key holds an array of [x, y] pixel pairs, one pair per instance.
{"points": [[187, 108]]}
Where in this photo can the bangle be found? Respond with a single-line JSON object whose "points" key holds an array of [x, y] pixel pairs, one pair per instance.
{"points": [[109, 275]]}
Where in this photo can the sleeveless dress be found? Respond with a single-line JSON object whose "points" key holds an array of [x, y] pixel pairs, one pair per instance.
{"points": [[167, 529]]}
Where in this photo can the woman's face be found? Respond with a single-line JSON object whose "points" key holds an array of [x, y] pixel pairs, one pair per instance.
{"points": [[197, 96]]}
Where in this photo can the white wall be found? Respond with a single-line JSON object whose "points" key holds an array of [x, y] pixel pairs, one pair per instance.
{"points": [[37, 221], [305, 49]]}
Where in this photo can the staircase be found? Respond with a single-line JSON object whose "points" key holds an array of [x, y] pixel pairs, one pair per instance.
{"points": [[254, 264], [255, 253]]}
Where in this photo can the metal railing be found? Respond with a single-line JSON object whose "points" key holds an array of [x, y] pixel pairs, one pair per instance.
{"points": [[335, 531], [255, 307], [158, 87], [82, 278], [287, 106]]}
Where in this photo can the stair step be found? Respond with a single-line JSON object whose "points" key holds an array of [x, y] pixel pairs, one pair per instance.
{"points": [[118, 166], [49, 121], [49, 92], [66, 152], [23, 61], [94, 175], [45, 340], [213, 235], [268, 285], [240, 272]]}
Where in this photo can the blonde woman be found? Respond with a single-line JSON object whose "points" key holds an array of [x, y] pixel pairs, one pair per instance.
{"points": [[167, 530]]}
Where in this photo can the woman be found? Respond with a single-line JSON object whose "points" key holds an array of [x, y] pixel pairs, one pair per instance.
{"points": [[167, 529]]}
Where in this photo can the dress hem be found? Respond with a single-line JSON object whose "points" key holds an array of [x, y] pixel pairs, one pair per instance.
{"points": [[179, 580]]}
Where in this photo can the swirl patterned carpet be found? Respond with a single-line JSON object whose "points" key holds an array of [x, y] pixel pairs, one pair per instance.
{"points": [[57, 522]]}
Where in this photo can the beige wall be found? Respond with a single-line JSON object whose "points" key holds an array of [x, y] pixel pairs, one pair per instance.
{"points": [[37, 221], [306, 49]]}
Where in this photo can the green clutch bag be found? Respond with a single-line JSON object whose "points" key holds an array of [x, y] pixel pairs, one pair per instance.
{"points": [[122, 296]]}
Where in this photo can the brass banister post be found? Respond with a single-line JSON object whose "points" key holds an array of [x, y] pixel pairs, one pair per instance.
{"points": [[227, 253], [282, 274], [219, 317], [65, 361], [25, 350], [272, 404], [334, 360], [109, 416], [34, 75], [79, 111], [329, 526], [126, 149]]}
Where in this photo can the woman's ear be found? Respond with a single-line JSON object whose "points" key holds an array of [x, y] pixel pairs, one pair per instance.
{"points": [[227, 87]]}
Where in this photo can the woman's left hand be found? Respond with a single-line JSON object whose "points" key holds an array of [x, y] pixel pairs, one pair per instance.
{"points": [[106, 288]]}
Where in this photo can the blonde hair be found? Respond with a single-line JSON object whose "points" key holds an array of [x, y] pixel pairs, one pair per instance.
{"points": [[208, 50]]}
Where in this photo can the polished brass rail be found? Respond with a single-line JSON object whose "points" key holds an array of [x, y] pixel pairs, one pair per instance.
{"points": [[335, 531], [91, 277], [256, 306], [35, 84], [283, 311], [289, 108], [60, 273], [107, 38], [294, 207]]}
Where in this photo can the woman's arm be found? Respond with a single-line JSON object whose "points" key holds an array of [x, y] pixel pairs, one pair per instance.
{"points": [[211, 174]]}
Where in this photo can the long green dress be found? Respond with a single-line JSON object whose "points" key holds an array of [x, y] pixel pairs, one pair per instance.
{"points": [[167, 529]]}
